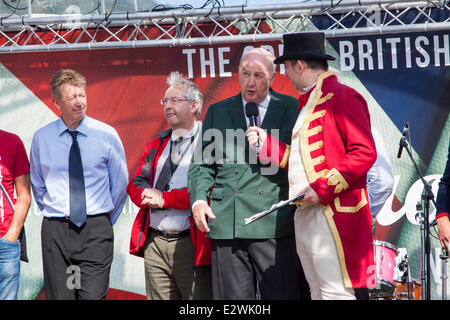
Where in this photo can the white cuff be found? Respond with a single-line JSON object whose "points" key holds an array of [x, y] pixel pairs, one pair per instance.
{"points": [[197, 202]]}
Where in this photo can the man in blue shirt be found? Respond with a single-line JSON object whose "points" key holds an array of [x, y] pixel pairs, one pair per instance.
{"points": [[78, 175]]}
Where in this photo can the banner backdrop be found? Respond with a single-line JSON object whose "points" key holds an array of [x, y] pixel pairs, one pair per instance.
{"points": [[404, 77]]}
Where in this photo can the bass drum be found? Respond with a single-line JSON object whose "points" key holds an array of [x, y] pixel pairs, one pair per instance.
{"points": [[385, 263]]}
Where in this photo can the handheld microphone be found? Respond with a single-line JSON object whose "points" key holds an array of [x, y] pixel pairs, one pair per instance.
{"points": [[252, 113], [405, 131]]}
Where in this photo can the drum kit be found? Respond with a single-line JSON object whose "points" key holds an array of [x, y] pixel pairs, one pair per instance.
{"points": [[393, 278], [392, 274]]}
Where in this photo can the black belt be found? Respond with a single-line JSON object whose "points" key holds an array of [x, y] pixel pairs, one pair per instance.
{"points": [[171, 234], [68, 217]]}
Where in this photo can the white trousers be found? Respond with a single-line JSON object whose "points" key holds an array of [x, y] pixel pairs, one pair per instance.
{"points": [[318, 255]]}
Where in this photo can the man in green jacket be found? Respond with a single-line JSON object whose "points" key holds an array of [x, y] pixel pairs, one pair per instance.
{"points": [[262, 254]]}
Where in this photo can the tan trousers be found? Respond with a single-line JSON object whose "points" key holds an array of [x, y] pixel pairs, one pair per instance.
{"points": [[318, 255], [169, 270]]}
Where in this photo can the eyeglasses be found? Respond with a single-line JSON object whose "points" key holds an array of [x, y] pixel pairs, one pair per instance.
{"points": [[172, 101]]}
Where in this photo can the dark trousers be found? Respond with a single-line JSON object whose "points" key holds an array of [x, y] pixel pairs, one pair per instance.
{"points": [[242, 266], [77, 261]]}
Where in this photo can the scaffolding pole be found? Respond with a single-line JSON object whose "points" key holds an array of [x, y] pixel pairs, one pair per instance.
{"points": [[38, 33]]}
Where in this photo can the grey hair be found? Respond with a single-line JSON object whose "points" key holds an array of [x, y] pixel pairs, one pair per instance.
{"points": [[175, 79]]}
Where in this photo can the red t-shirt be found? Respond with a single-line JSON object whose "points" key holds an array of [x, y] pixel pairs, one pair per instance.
{"points": [[13, 163]]}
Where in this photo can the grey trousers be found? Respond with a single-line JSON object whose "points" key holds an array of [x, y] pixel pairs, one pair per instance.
{"points": [[170, 272]]}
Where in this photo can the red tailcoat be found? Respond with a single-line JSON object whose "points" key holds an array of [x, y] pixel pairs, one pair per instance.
{"points": [[337, 151]]}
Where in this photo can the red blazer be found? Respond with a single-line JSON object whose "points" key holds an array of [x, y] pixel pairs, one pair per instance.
{"points": [[176, 198], [337, 151]]}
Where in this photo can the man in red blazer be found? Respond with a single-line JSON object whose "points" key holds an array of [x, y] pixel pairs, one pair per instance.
{"points": [[331, 151], [177, 255]]}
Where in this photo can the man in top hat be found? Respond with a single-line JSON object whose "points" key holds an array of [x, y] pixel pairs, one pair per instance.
{"points": [[332, 149]]}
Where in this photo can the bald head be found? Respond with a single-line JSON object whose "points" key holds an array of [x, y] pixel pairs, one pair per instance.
{"points": [[264, 56]]}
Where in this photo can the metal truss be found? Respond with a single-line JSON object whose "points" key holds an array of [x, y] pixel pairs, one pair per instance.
{"points": [[34, 33]]}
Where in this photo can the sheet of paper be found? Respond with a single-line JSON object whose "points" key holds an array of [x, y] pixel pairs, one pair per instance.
{"points": [[274, 207]]}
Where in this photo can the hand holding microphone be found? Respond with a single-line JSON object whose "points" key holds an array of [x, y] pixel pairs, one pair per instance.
{"points": [[255, 135]]}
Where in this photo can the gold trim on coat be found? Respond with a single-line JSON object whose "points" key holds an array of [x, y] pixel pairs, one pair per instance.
{"points": [[315, 146], [349, 209], [315, 115], [336, 179], [285, 159]]}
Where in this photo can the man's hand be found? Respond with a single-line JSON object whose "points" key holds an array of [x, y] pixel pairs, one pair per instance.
{"points": [[22, 185], [200, 211], [443, 224], [310, 198], [256, 134], [12, 234], [152, 198]]}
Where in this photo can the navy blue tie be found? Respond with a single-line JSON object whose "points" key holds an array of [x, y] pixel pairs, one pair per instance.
{"points": [[77, 192], [169, 166]]}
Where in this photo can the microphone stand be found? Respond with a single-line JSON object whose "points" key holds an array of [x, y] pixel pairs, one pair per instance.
{"points": [[423, 263], [425, 225], [444, 258]]}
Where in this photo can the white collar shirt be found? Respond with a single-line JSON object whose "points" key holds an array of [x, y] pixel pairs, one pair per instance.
{"points": [[262, 108]]}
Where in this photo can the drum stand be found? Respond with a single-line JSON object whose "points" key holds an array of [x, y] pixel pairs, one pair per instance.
{"points": [[406, 278], [424, 218], [444, 258]]}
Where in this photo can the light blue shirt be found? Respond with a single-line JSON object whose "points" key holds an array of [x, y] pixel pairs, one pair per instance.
{"points": [[380, 180], [104, 166]]}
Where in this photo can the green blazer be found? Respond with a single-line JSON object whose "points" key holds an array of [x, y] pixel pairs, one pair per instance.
{"points": [[242, 185]]}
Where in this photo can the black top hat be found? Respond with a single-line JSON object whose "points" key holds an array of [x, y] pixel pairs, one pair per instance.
{"points": [[304, 45]]}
